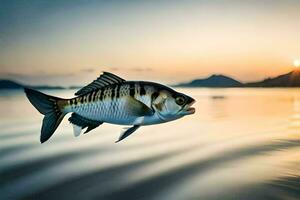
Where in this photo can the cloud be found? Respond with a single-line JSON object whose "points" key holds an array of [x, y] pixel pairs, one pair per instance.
{"points": [[93, 70], [132, 69], [141, 69], [88, 70], [114, 68]]}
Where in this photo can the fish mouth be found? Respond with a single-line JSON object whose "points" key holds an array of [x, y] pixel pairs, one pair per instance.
{"points": [[188, 109]]}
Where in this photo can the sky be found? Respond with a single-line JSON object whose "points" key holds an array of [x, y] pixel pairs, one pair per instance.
{"points": [[62, 42]]}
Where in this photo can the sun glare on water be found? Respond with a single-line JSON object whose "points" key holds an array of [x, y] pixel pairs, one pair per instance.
{"points": [[296, 63]]}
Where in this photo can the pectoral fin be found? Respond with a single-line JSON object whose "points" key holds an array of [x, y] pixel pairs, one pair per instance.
{"points": [[128, 132], [137, 108]]}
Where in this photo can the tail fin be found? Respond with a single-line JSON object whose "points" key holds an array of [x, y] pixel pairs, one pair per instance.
{"points": [[49, 106]]}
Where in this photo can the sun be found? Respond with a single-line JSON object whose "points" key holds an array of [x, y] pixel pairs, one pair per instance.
{"points": [[296, 63]]}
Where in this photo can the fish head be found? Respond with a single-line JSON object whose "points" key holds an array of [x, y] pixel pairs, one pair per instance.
{"points": [[172, 105]]}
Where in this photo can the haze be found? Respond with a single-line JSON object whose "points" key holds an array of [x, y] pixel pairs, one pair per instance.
{"points": [[71, 42]]}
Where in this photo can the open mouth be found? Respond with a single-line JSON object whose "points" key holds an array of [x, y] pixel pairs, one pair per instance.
{"points": [[188, 110], [191, 110]]}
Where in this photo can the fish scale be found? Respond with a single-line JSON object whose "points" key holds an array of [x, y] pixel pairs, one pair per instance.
{"points": [[109, 102]]}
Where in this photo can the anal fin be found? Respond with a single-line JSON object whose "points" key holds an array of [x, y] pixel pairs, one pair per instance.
{"points": [[128, 132], [82, 122]]}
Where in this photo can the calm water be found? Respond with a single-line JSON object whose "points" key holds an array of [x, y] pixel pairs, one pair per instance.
{"points": [[240, 144]]}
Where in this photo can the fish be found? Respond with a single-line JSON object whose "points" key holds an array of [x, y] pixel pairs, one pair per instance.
{"points": [[111, 99]]}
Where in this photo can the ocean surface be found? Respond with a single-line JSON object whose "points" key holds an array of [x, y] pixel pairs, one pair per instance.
{"points": [[241, 144]]}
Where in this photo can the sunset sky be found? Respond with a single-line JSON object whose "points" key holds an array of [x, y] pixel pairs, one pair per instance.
{"points": [[70, 42]]}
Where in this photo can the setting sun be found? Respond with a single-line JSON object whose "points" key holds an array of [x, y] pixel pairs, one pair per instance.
{"points": [[296, 63]]}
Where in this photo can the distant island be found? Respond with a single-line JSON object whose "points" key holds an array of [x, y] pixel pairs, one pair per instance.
{"points": [[291, 79], [212, 81], [8, 84]]}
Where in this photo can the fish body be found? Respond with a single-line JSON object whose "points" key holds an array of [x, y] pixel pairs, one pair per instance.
{"points": [[111, 99], [110, 104]]}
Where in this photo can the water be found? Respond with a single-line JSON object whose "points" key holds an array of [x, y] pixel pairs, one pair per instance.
{"points": [[240, 144]]}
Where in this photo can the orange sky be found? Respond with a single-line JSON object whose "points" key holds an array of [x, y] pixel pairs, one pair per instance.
{"points": [[169, 41]]}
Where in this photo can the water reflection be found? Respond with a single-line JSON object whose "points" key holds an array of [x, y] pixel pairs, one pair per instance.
{"points": [[240, 144], [295, 118], [218, 107]]}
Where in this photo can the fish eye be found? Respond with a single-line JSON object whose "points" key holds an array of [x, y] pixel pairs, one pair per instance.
{"points": [[180, 100]]}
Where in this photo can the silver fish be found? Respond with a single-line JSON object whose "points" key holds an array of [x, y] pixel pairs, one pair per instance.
{"points": [[111, 99]]}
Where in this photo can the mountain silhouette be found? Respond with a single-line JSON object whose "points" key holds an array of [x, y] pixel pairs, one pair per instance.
{"points": [[291, 79], [213, 81], [9, 84]]}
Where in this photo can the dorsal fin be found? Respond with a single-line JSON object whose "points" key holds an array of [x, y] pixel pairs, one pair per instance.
{"points": [[103, 80]]}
